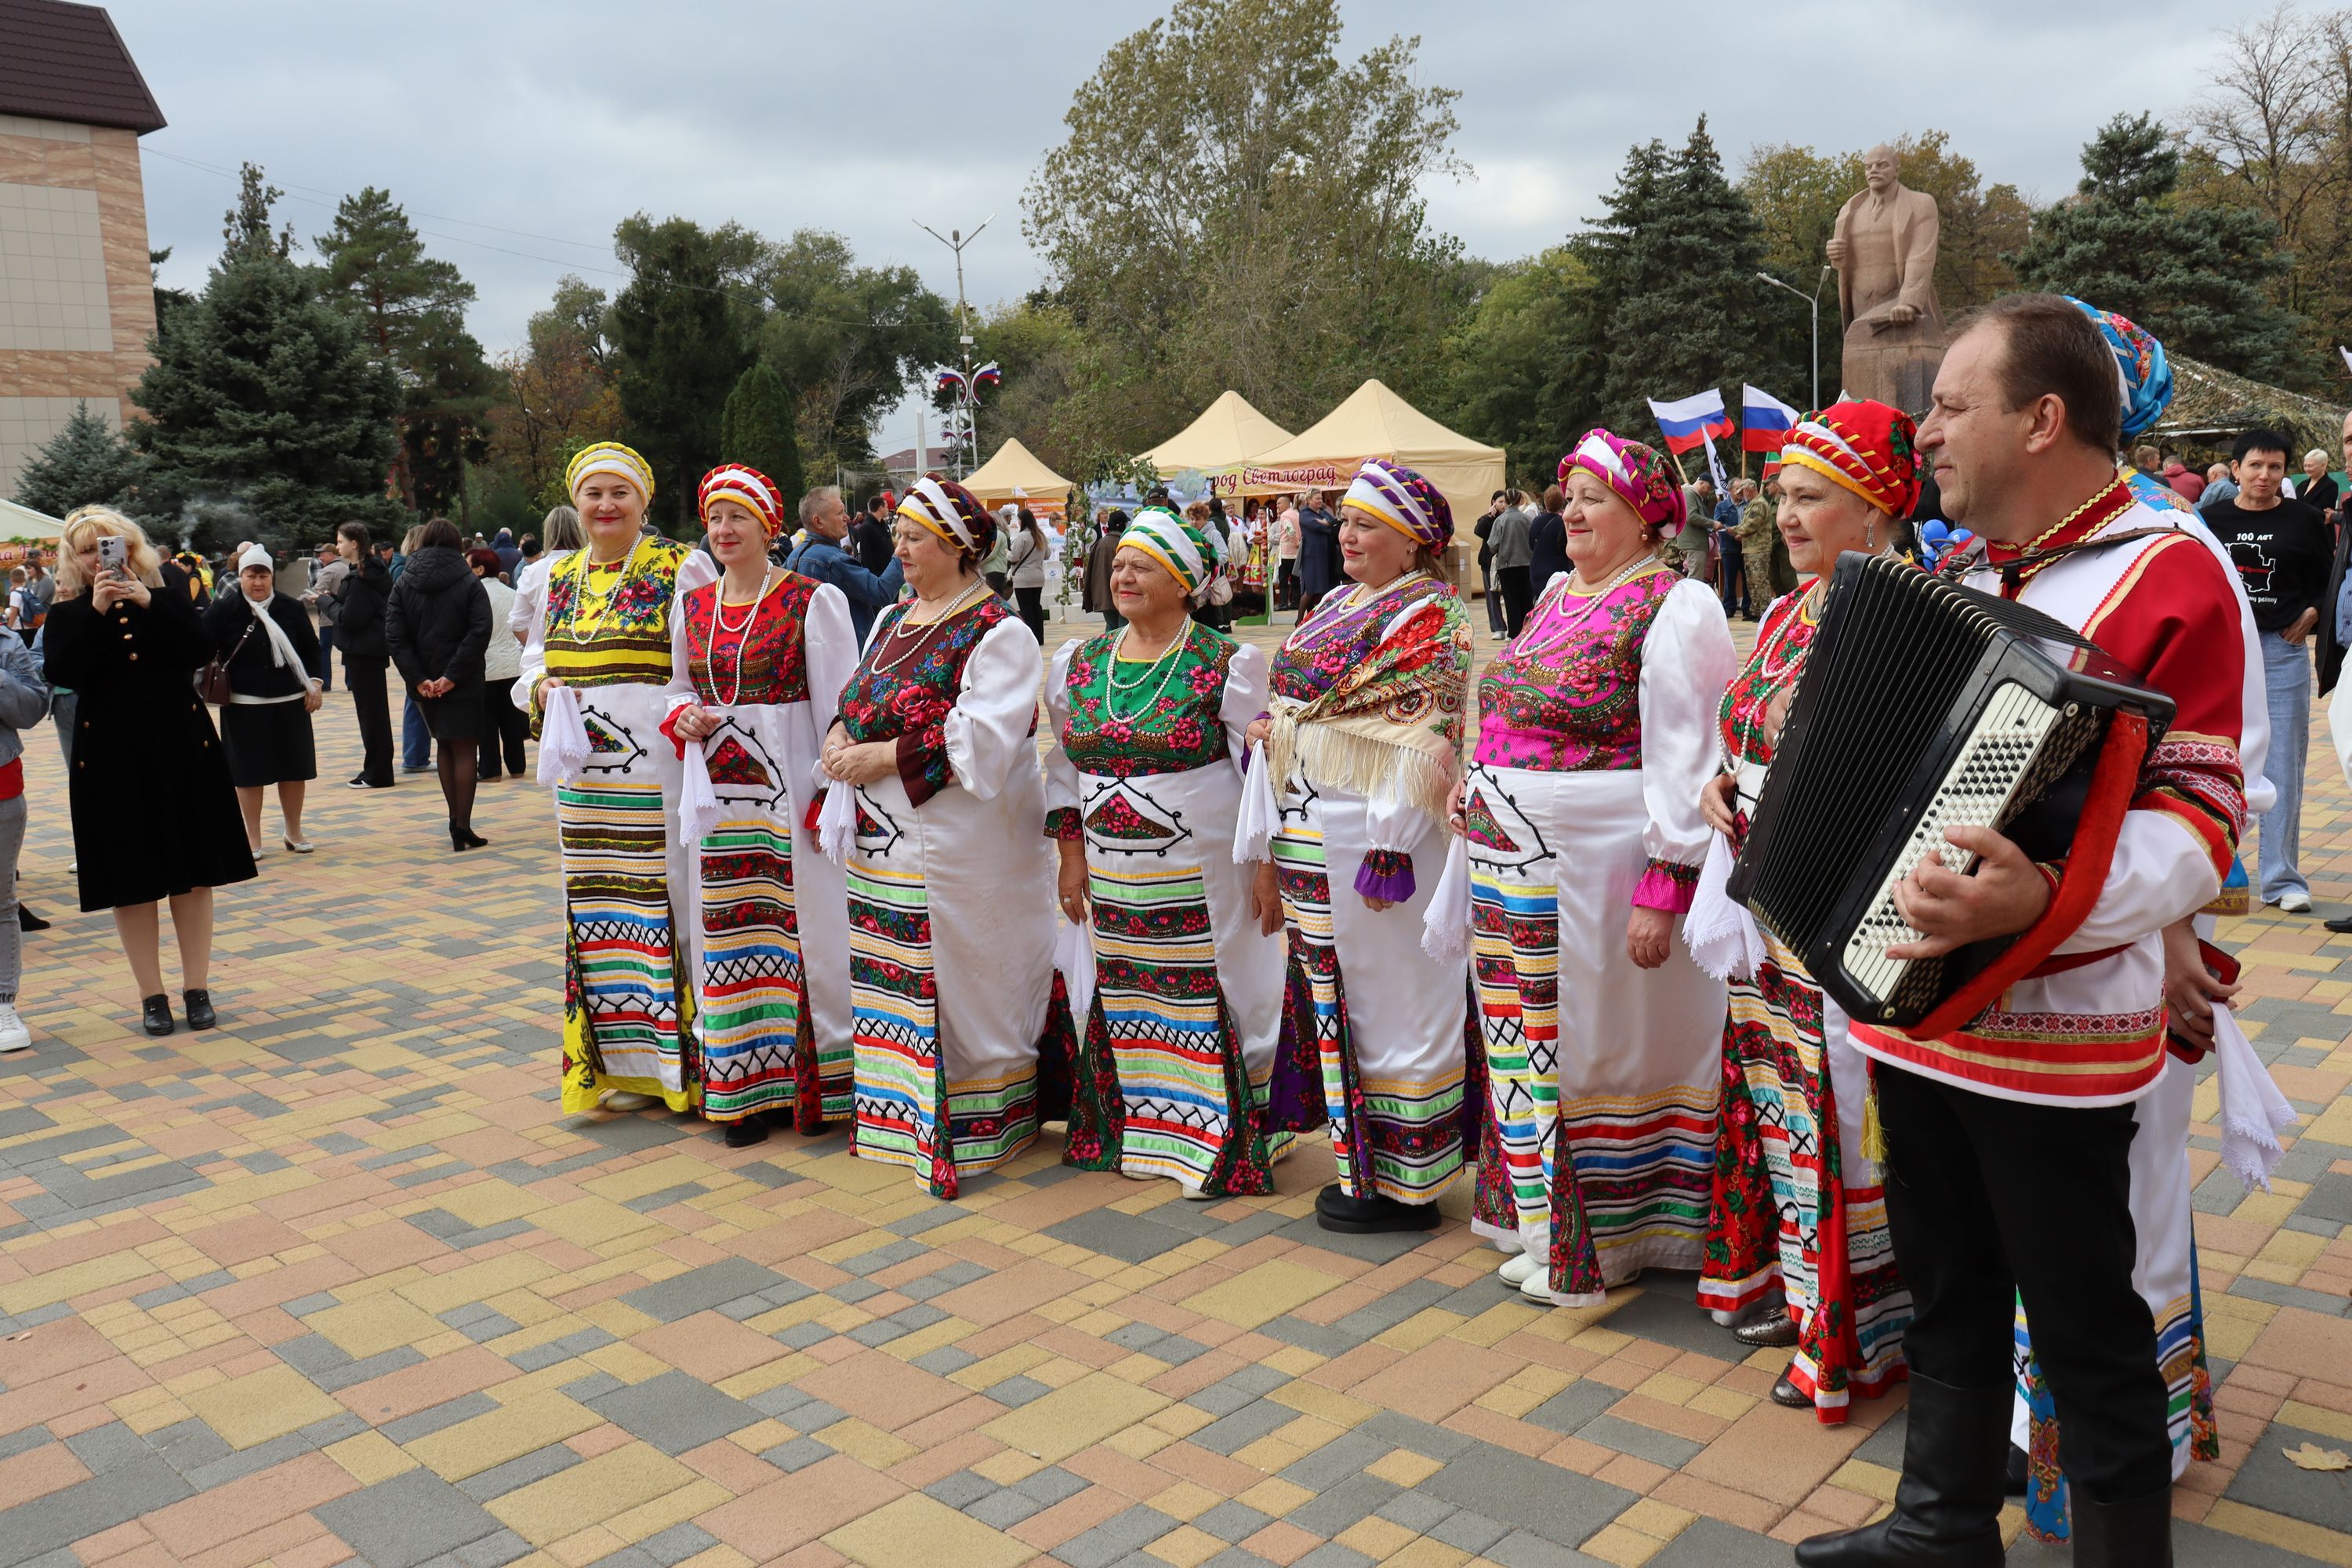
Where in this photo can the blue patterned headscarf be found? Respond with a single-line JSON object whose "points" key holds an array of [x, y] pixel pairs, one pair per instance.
{"points": [[2140, 366]]}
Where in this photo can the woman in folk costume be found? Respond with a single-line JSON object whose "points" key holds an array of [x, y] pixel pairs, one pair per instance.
{"points": [[758, 660], [601, 641], [2198, 984], [1595, 736], [1796, 1241], [951, 895], [1143, 792], [1361, 748]]}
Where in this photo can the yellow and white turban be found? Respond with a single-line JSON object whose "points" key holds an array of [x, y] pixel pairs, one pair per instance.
{"points": [[1182, 550], [608, 457], [953, 513]]}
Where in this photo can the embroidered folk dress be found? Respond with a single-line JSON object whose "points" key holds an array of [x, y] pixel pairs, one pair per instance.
{"points": [[628, 993], [1372, 1038], [767, 914], [1596, 734], [1799, 1216], [1178, 1044], [951, 920]]}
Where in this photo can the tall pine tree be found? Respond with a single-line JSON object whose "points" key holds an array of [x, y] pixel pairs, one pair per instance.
{"points": [[86, 463], [263, 399], [412, 309], [2196, 277], [757, 428], [1690, 311], [683, 331]]}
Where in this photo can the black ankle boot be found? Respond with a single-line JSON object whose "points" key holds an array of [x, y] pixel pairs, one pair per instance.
{"points": [[199, 1004], [752, 1128], [1948, 1505], [158, 1014], [1335, 1210], [2137, 1534]]}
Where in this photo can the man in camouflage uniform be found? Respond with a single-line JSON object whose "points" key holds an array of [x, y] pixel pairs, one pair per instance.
{"points": [[1768, 573]]}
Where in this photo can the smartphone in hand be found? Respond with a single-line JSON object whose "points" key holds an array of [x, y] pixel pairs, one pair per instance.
{"points": [[113, 552]]}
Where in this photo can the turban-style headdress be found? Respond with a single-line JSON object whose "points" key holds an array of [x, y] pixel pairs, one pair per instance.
{"points": [[608, 457], [747, 487], [1182, 550], [2145, 376], [1642, 478], [952, 513], [1403, 500], [1864, 446]]}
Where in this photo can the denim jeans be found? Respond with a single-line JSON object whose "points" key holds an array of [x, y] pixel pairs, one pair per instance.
{"points": [[12, 843], [2286, 686], [416, 738]]}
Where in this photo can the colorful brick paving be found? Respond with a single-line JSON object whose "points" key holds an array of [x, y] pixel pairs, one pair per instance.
{"points": [[336, 1283]]}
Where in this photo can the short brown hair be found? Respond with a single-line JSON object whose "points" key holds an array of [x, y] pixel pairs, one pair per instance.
{"points": [[2049, 349], [438, 532]]}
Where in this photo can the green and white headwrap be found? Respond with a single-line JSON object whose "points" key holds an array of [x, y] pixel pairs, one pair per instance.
{"points": [[1182, 550]]}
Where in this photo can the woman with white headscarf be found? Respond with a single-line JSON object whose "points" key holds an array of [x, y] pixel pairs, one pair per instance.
{"points": [[1143, 794], [950, 896], [265, 638]]}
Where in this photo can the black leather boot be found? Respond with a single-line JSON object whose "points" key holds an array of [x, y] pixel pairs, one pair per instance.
{"points": [[2137, 1534], [1948, 1506], [1335, 1210]]}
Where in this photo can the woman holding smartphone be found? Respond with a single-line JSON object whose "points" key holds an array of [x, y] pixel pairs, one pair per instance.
{"points": [[125, 636]]}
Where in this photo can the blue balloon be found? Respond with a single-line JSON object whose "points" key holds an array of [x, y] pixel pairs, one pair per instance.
{"points": [[1934, 531]]}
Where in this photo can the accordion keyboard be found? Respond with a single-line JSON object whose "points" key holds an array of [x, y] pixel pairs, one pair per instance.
{"points": [[1998, 757]]}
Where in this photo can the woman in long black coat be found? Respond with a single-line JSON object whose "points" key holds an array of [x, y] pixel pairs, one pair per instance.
{"points": [[154, 817], [266, 637], [438, 625]]}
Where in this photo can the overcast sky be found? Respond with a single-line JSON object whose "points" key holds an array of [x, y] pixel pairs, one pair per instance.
{"points": [[516, 134]]}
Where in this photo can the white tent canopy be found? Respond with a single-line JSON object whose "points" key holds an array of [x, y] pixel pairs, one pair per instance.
{"points": [[1374, 422], [1228, 432], [21, 524]]}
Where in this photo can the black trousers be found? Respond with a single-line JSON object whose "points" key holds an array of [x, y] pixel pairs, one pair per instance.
{"points": [[1731, 576], [1032, 601], [1990, 1200], [504, 726], [1518, 597], [373, 706]]}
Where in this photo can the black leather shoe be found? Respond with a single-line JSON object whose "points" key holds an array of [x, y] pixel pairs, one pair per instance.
{"points": [[2340, 924], [2122, 1534], [28, 921], [199, 1004], [1786, 1393], [1775, 1330], [2021, 1473], [1948, 1505], [744, 1133], [158, 1014], [1335, 1210]]}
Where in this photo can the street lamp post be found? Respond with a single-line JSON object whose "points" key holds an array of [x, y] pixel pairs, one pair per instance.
{"points": [[955, 240], [1816, 301]]}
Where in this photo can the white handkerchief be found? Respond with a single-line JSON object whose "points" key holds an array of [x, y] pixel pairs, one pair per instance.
{"points": [[563, 738]]}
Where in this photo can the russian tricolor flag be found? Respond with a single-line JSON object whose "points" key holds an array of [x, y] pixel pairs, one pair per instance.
{"points": [[1691, 422], [1764, 420]]}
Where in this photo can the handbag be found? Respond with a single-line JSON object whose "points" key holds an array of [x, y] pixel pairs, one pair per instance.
{"points": [[212, 680]]}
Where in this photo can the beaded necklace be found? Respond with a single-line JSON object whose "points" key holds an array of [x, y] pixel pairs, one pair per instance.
{"points": [[1326, 617], [1173, 659], [912, 640], [740, 632], [585, 599], [1532, 648]]}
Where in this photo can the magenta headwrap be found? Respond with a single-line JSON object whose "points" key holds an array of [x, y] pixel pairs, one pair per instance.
{"points": [[1649, 484]]}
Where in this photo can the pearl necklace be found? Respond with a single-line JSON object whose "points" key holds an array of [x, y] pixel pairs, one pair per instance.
{"points": [[719, 624], [1533, 648], [914, 639], [1332, 611], [587, 598], [1172, 657]]}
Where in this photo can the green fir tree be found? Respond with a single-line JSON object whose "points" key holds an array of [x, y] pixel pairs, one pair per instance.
{"points": [[683, 331], [86, 463], [757, 429], [2196, 277]]}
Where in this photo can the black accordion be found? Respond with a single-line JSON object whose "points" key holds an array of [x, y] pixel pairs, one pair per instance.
{"points": [[1923, 706]]}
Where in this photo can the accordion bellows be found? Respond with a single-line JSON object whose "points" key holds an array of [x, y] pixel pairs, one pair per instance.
{"points": [[1925, 706]]}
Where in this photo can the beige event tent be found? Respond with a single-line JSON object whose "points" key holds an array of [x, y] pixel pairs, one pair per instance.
{"points": [[23, 525], [1015, 474], [1376, 422], [1229, 432]]}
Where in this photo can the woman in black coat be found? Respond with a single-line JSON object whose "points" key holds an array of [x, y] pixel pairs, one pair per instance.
{"points": [[266, 637], [359, 607], [438, 625], [154, 817]]}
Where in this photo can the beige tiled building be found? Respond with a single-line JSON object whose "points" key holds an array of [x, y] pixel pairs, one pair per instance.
{"points": [[76, 300]]}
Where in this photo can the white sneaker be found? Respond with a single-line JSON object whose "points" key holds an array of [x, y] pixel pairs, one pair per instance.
{"points": [[1517, 1270], [1537, 1287], [13, 1036], [623, 1100], [2295, 901]]}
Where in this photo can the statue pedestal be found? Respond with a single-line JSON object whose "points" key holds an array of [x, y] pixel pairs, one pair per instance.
{"points": [[1897, 366]]}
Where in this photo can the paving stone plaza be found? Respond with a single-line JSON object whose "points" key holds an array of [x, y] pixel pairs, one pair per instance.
{"points": [[339, 1283]]}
